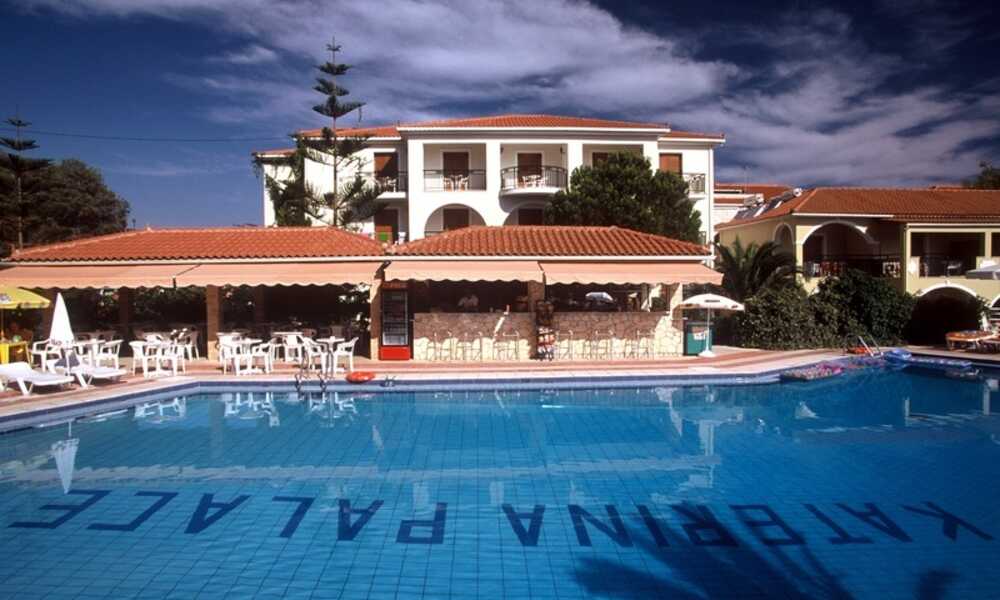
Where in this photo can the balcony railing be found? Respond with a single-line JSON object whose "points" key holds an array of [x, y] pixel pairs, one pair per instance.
{"points": [[885, 265], [940, 265], [527, 178], [437, 180], [387, 182], [696, 182]]}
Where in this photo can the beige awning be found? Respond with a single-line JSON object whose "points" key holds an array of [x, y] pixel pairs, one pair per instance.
{"points": [[629, 272], [464, 270], [90, 276], [287, 273]]}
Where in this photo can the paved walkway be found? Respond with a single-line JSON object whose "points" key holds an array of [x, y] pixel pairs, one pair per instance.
{"points": [[729, 361]]}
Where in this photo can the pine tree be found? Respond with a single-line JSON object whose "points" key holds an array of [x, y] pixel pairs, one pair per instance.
{"points": [[17, 167], [295, 201]]}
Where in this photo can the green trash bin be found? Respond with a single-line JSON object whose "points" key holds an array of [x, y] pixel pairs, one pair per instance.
{"points": [[697, 336]]}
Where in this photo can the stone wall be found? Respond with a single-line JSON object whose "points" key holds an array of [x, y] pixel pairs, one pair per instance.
{"points": [[493, 333]]}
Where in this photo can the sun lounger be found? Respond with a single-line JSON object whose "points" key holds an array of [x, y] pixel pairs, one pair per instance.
{"points": [[87, 374], [28, 379], [971, 339]]}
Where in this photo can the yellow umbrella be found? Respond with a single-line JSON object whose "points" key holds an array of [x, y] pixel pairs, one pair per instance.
{"points": [[13, 297]]}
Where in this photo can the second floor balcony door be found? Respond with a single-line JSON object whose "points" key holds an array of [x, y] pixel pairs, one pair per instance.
{"points": [[456, 170], [672, 163], [387, 170], [529, 169]]}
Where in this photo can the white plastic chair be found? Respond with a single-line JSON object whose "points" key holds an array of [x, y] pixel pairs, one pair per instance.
{"points": [[311, 351], [109, 352], [140, 357], [44, 351], [345, 350], [188, 340], [291, 347], [263, 353]]}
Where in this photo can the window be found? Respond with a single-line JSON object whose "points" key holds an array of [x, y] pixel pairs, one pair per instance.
{"points": [[387, 225], [672, 163]]}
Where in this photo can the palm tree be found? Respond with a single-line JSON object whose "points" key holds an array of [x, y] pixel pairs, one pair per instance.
{"points": [[748, 269]]}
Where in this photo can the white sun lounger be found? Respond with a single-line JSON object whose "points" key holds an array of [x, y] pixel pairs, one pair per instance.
{"points": [[28, 379], [86, 374]]}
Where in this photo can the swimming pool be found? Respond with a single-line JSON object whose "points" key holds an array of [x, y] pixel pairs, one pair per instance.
{"points": [[871, 484]]}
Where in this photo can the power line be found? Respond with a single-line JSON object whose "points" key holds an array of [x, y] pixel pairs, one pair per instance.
{"points": [[120, 138]]}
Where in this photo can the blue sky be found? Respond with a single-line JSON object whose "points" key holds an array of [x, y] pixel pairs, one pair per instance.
{"points": [[893, 93]]}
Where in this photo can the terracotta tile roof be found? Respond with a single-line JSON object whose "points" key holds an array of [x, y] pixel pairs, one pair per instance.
{"points": [[675, 133], [507, 121], [545, 240], [901, 204], [221, 243], [536, 121], [725, 191], [376, 131], [274, 152]]}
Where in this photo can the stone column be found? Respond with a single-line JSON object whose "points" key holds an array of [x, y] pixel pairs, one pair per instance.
{"points": [[213, 319], [375, 316], [125, 308], [536, 292]]}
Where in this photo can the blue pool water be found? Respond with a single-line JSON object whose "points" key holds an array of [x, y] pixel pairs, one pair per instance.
{"points": [[874, 484]]}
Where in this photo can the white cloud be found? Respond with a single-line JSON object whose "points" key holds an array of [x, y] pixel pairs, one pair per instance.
{"points": [[823, 116], [250, 55]]}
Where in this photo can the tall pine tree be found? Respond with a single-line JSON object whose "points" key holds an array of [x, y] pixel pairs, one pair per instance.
{"points": [[351, 198], [16, 166]]}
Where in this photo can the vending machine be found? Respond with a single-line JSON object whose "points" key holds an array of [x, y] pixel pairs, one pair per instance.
{"points": [[395, 342]]}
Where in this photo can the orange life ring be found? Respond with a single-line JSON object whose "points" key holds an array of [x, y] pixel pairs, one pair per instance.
{"points": [[858, 350], [360, 376]]}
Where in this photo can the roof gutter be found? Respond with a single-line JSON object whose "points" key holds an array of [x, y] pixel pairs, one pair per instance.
{"points": [[342, 259]]}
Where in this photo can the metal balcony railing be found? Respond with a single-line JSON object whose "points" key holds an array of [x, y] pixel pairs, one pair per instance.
{"points": [[437, 180], [518, 178], [942, 265], [696, 182], [883, 265], [387, 182]]}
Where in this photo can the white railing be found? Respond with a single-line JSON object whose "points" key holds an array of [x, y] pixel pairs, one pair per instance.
{"points": [[696, 182]]}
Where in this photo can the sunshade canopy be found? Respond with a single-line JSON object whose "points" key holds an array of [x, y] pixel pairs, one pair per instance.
{"points": [[984, 272], [464, 270], [628, 272], [13, 297], [286, 273], [170, 275], [711, 301]]}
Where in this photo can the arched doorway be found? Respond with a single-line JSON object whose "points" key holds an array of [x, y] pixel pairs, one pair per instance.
{"points": [[527, 214], [833, 247], [452, 216], [941, 310]]}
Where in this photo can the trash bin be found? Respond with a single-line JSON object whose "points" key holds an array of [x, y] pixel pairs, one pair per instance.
{"points": [[697, 336]]}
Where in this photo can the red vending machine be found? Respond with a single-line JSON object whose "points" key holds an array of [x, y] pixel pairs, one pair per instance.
{"points": [[395, 323]]}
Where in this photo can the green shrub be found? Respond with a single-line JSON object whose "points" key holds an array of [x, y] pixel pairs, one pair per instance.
{"points": [[843, 308], [856, 303], [778, 319]]}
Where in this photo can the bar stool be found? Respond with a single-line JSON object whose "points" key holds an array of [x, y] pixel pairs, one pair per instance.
{"points": [[470, 349], [564, 345], [642, 345], [601, 345], [506, 346], [439, 349]]}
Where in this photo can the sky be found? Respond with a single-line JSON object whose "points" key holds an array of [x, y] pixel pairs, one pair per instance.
{"points": [[882, 93]]}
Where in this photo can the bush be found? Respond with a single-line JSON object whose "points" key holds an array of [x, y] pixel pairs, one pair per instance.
{"points": [[778, 319], [843, 308], [856, 303]]}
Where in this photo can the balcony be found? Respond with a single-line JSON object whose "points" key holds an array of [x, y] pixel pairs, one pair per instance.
{"points": [[889, 266], [696, 182], [535, 179], [940, 265], [437, 180], [388, 183]]}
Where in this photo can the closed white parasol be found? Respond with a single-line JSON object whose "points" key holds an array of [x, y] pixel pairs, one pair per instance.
{"points": [[61, 331], [710, 302]]}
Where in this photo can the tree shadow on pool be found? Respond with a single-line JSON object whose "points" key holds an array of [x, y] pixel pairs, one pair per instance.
{"points": [[745, 570]]}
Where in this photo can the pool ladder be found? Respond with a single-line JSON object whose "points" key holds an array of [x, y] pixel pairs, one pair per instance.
{"points": [[872, 349], [302, 377]]}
